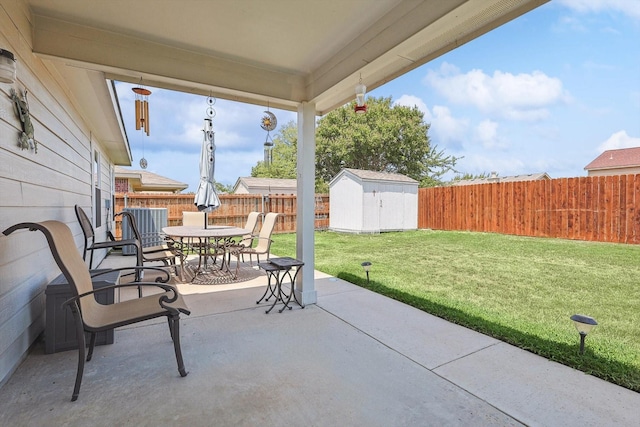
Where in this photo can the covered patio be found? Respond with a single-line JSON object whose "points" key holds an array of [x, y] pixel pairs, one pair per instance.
{"points": [[351, 357], [354, 358]]}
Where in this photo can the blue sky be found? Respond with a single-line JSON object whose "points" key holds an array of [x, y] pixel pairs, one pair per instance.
{"points": [[547, 92]]}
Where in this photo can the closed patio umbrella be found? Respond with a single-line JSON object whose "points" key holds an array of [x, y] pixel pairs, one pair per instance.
{"points": [[206, 198]]}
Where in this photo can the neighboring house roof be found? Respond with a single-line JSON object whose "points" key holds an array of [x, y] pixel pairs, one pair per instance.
{"points": [[266, 185], [367, 175], [141, 181], [616, 159], [495, 178]]}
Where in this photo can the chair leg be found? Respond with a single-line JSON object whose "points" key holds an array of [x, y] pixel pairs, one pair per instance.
{"points": [[170, 320], [92, 344], [174, 323], [91, 260], [81, 350]]}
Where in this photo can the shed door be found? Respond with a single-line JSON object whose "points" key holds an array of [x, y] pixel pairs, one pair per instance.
{"points": [[371, 209], [391, 207]]}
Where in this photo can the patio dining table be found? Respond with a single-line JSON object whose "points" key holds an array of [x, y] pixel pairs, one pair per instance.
{"points": [[222, 235]]}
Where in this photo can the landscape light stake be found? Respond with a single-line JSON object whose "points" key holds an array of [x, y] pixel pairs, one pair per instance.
{"points": [[583, 324], [367, 266]]}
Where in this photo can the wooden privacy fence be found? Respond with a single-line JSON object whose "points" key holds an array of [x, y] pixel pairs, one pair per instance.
{"points": [[605, 208], [233, 209]]}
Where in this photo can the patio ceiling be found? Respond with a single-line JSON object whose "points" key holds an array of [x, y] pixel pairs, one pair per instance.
{"points": [[280, 52]]}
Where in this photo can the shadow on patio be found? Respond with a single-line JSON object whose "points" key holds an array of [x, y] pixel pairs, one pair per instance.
{"points": [[355, 358]]}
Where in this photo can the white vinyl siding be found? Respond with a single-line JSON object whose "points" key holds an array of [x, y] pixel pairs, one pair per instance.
{"points": [[36, 186]]}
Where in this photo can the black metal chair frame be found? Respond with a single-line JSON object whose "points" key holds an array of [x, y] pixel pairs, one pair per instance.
{"points": [[105, 317], [90, 245]]}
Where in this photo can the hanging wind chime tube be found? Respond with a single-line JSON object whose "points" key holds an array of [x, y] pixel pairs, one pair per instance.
{"points": [[142, 108], [142, 115]]}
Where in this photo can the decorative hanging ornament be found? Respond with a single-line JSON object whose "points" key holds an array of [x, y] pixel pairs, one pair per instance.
{"points": [[209, 134], [268, 123], [361, 90], [142, 107], [142, 115]]}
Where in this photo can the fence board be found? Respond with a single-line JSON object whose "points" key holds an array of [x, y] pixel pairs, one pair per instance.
{"points": [[586, 208], [233, 209]]}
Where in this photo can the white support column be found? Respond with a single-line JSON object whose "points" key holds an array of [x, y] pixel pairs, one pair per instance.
{"points": [[305, 286]]}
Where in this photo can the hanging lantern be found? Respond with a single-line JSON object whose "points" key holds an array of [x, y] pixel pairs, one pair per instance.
{"points": [[361, 90], [142, 108]]}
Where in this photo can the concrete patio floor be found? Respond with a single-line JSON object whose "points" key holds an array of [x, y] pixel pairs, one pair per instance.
{"points": [[353, 359]]}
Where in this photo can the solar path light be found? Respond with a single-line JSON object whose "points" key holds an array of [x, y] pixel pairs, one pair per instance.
{"points": [[366, 266], [583, 324]]}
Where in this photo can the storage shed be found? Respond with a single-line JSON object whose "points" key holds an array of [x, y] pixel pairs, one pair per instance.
{"points": [[365, 201]]}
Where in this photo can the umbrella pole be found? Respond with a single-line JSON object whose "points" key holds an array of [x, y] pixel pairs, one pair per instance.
{"points": [[205, 220]]}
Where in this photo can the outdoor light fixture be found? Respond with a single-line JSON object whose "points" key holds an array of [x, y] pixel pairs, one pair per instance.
{"points": [[366, 266], [361, 90], [583, 324], [7, 67]]}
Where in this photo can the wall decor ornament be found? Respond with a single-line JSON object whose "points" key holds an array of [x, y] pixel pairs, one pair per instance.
{"points": [[26, 140]]}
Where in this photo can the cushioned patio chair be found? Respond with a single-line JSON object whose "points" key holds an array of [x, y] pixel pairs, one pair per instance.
{"points": [[248, 239], [264, 241], [90, 243], [93, 317]]}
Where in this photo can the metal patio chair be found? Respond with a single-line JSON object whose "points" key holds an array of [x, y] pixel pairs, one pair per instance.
{"points": [[248, 239], [264, 241], [93, 317], [165, 253], [90, 243]]}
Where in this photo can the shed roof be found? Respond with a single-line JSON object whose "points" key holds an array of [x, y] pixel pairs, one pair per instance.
{"points": [[615, 159], [147, 181], [266, 183], [367, 175]]}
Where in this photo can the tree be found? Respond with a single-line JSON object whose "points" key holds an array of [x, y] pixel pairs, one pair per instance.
{"points": [[386, 138], [469, 176], [223, 189]]}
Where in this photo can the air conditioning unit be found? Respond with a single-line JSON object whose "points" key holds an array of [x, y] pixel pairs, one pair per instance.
{"points": [[150, 222]]}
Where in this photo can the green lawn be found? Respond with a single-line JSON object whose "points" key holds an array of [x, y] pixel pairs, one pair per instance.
{"points": [[520, 290]]}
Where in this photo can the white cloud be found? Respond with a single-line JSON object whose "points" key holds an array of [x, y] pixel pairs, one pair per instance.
{"points": [[487, 134], [515, 97], [627, 7], [619, 140], [446, 129], [413, 101]]}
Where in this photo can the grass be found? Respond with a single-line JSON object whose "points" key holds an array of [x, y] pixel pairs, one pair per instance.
{"points": [[520, 290]]}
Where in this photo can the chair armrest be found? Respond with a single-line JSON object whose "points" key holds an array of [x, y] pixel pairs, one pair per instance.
{"points": [[109, 244], [163, 300], [137, 269]]}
